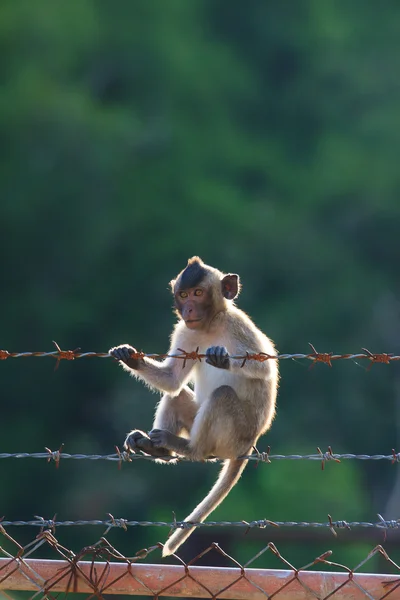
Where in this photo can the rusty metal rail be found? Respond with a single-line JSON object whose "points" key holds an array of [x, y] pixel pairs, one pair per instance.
{"points": [[109, 572], [183, 581]]}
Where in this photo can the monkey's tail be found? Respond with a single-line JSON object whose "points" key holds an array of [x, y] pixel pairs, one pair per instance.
{"points": [[228, 477]]}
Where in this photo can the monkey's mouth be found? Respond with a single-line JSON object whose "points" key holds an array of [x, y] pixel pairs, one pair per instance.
{"points": [[190, 321]]}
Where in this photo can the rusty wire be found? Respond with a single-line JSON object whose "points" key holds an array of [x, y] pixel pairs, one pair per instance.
{"points": [[118, 523], [100, 569], [315, 356]]}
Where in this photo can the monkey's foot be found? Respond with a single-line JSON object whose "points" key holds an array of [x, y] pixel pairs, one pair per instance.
{"points": [[161, 438], [138, 440]]}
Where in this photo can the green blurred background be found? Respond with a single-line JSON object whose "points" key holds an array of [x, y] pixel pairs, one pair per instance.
{"points": [[262, 136]]}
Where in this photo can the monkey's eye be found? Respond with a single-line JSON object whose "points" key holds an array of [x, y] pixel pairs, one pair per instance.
{"points": [[183, 294], [198, 292]]}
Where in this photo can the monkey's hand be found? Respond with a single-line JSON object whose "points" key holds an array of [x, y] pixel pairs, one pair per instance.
{"points": [[218, 357], [138, 440], [124, 353]]}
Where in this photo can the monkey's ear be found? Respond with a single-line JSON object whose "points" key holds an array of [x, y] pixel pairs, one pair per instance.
{"points": [[172, 284], [230, 286]]}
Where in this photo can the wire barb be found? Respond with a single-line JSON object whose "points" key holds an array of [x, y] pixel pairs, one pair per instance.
{"points": [[121, 523], [46, 524], [262, 456], [338, 525], [56, 455], [64, 354], [323, 357], [190, 356], [327, 456], [396, 457], [383, 358], [123, 456]]}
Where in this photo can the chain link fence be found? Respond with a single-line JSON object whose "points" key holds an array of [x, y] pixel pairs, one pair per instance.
{"points": [[100, 570]]}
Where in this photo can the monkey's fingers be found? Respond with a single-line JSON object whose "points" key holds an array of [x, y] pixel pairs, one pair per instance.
{"points": [[139, 441], [211, 358], [123, 352], [159, 438], [217, 356]]}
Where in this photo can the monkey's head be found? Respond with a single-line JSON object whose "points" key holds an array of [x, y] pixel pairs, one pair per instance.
{"points": [[200, 292]]}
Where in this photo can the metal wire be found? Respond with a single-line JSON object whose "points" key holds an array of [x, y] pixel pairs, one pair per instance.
{"points": [[265, 457], [259, 524], [314, 356]]}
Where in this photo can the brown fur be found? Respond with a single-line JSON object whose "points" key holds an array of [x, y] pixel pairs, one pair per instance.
{"points": [[229, 408]]}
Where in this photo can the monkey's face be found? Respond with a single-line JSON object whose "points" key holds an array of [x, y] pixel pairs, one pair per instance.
{"points": [[194, 306]]}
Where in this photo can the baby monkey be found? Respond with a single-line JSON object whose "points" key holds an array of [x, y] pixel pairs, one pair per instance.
{"points": [[232, 403]]}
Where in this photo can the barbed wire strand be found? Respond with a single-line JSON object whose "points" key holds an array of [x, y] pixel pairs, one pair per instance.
{"points": [[100, 569], [264, 457], [315, 356], [111, 523]]}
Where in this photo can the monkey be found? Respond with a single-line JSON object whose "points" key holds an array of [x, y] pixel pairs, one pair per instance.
{"points": [[232, 403]]}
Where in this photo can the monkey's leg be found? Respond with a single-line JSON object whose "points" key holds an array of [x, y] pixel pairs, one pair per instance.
{"points": [[175, 414], [225, 426], [174, 419]]}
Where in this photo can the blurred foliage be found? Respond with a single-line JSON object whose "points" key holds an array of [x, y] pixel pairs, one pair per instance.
{"points": [[263, 136]]}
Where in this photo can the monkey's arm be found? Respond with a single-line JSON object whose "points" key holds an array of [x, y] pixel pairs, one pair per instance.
{"points": [[169, 376]]}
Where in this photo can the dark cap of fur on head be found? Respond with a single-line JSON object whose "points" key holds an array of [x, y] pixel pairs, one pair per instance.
{"points": [[192, 275]]}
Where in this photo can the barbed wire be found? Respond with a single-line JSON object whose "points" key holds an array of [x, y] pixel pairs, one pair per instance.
{"points": [[264, 457], [101, 569], [315, 356], [121, 523]]}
